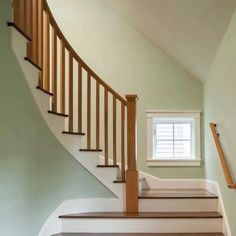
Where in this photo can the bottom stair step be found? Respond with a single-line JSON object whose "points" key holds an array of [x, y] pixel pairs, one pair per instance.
{"points": [[140, 234], [142, 215], [121, 223]]}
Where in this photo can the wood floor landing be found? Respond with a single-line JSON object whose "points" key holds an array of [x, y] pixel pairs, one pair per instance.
{"points": [[142, 215], [176, 193], [139, 234]]}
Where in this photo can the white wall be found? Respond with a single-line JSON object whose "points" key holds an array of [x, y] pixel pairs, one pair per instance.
{"points": [[130, 64], [220, 107]]}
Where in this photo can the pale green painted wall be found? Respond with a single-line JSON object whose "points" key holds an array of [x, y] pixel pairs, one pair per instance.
{"points": [[130, 64], [36, 172], [220, 107]]}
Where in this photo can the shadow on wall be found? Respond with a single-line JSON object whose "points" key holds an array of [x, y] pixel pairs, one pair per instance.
{"points": [[36, 172]]}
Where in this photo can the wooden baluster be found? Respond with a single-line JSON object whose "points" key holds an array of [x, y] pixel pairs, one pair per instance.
{"points": [[71, 94], [131, 173], [89, 111], [79, 98], [46, 53], [29, 24], [97, 116], [40, 33], [29, 18], [25, 16], [106, 125], [22, 15], [40, 42], [54, 70], [16, 12], [34, 56], [62, 77], [122, 141], [114, 131]]}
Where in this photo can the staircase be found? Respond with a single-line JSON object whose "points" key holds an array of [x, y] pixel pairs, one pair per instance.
{"points": [[98, 127]]}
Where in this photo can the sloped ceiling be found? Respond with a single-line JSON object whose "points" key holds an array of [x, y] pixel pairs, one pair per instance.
{"points": [[189, 31]]}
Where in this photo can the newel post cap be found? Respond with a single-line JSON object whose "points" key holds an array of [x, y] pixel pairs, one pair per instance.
{"points": [[131, 97]]}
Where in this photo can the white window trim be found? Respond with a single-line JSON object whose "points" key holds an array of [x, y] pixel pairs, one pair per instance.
{"points": [[196, 115]]}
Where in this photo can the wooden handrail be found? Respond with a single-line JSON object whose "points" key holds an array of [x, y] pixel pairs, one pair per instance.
{"points": [[49, 51], [77, 57], [226, 169]]}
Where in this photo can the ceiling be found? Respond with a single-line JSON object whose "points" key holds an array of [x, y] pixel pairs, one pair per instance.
{"points": [[189, 31]]}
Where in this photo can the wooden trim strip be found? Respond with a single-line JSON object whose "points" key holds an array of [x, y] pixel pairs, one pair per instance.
{"points": [[224, 164]]}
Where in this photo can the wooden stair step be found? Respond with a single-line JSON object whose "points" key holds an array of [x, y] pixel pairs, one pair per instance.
{"points": [[90, 150], [176, 193], [119, 181], [108, 166], [139, 234], [43, 90], [73, 133], [12, 24], [141, 215], [57, 113], [33, 63]]}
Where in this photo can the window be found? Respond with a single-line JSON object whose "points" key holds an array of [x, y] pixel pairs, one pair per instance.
{"points": [[173, 138]]}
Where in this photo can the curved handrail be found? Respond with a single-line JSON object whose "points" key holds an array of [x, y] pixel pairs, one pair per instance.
{"points": [[77, 57], [227, 172]]}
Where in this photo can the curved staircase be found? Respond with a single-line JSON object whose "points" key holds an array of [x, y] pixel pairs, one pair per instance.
{"points": [[94, 123]]}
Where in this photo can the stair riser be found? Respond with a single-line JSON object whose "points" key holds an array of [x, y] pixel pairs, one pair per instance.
{"points": [[178, 205], [168, 225]]}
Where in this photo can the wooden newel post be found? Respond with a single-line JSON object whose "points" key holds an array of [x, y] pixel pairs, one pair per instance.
{"points": [[131, 173]]}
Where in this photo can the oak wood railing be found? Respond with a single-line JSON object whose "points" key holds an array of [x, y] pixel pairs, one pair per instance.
{"points": [[224, 164], [65, 76]]}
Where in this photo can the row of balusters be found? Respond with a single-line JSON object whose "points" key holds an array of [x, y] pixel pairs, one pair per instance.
{"points": [[61, 70]]}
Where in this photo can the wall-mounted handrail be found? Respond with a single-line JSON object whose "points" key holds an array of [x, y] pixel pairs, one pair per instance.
{"points": [[52, 54], [224, 164]]}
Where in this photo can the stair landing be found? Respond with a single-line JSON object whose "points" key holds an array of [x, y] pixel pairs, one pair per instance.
{"points": [[176, 193], [139, 234], [141, 215]]}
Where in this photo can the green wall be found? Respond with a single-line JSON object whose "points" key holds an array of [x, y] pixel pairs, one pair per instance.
{"points": [[36, 172], [220, 107], [130, 64]]}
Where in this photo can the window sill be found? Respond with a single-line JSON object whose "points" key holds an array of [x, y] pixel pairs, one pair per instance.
{"points": [[181, 162]]}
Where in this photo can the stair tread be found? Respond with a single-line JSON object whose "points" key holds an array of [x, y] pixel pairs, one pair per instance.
{"points": [[176, 193], [143, 215], [140, 234]]}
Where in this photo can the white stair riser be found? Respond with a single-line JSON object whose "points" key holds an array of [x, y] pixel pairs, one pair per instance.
{"points": [[141, 225], [178, 205]]}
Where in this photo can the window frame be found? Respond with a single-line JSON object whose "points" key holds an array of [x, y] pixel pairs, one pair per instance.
{"points": [[194, 117]]}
